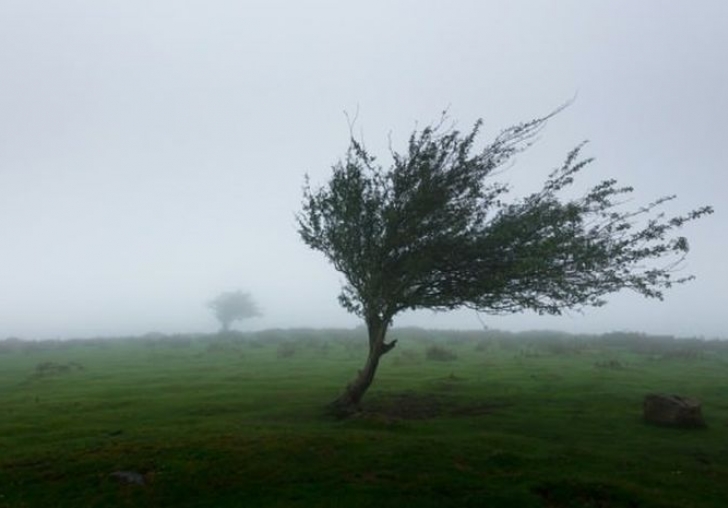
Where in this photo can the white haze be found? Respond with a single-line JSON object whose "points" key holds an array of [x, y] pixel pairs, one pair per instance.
{"points": [[152, 153]]}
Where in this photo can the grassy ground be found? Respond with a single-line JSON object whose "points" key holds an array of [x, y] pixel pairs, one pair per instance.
{"points": [[530, 420]]}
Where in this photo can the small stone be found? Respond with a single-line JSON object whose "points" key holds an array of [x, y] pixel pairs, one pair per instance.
{"points": [[128, 477]]}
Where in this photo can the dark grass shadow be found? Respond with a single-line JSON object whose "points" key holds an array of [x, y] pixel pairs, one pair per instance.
{"points": [[412, 405]]}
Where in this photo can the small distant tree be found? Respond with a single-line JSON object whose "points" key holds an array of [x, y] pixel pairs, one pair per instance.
{"points": [[233, 306], [434, 231]]}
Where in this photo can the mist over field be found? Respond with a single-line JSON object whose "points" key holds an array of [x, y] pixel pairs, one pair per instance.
{"points": [[152, 154]]}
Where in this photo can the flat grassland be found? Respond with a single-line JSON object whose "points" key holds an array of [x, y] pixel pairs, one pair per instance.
{"points": [[454, 419]]}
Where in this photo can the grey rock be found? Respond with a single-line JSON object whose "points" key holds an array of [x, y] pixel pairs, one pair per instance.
{"points": [[128, 477], [672, 411]]}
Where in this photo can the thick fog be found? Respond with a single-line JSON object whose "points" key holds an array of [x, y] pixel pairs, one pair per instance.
{"points": [[152, 153]]}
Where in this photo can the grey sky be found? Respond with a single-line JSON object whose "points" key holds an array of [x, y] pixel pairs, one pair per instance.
{"points": [[152, 153]]}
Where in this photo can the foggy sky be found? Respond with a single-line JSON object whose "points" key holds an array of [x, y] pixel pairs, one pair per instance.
{"points": [[152, 154]]}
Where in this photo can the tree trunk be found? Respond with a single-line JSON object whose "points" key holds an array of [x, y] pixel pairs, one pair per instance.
{"points": [[348, 402]]}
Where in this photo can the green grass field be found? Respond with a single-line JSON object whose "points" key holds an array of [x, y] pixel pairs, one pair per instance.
{"points": [[526, 420]]}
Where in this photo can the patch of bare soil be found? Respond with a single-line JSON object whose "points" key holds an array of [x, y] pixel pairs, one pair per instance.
{"points": [[411, 405]]}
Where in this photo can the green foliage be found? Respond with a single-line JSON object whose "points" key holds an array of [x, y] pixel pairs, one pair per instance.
{"points": [[233, 306], [434, 231]]}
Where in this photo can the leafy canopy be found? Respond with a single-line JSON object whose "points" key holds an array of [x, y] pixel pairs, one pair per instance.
{"points": [[433, 231], [232, 306]]}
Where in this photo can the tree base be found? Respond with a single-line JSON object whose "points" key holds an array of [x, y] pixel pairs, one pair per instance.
{"points": [[342, 408]]}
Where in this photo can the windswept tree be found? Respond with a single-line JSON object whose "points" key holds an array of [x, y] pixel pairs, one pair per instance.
{"points": [[434, 231], [233, 306]]}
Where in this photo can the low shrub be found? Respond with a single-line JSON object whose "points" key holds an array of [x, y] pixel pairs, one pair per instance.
{"points": [[286, 350], [407, 357], [221, 347], [440, 354], [53, 368], [610, 364]]}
